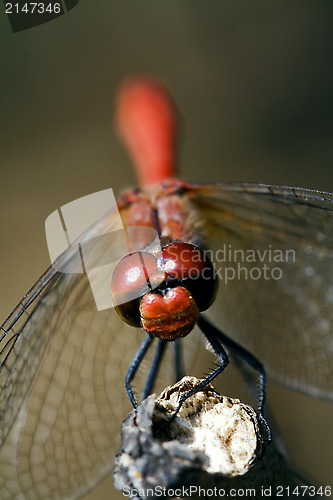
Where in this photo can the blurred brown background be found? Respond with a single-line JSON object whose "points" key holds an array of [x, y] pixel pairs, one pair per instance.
{"points": [[254, 85]]}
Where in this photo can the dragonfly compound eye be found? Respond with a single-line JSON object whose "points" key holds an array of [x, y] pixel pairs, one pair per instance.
{"points": [[135, 275], [194, 270]]}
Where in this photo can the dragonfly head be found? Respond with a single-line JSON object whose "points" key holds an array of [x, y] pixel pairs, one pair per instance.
{"points": [[164, 294]]}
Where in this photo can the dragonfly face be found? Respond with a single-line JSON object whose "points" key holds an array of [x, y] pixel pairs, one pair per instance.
{"points": [[171, 308]]}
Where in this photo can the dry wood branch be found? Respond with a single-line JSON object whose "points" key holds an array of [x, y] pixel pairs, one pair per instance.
{"points": [[213, 444]]}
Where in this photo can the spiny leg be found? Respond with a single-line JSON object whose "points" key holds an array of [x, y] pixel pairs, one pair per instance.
{"points": [[179, 361], [223, 358], [249, 358], [135, 363], [160, 350]]}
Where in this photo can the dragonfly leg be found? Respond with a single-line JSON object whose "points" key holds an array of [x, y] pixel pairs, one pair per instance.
{"points": [[135, 363], [179, 365], [223, 358], [249, 358], [154, 368]]}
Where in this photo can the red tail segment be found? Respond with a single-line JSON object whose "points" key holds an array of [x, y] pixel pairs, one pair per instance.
{"points": [[146, 122]]}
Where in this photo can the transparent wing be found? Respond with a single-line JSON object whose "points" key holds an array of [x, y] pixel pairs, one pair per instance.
{"points": [[62, 392], [63, 436], [63, 399], [285, 317]]}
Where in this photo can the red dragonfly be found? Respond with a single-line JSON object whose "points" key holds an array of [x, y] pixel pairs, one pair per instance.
{"points": [[63, 362]]}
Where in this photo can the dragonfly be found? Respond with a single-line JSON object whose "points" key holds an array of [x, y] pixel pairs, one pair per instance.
{"points": [[63, 362]]}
